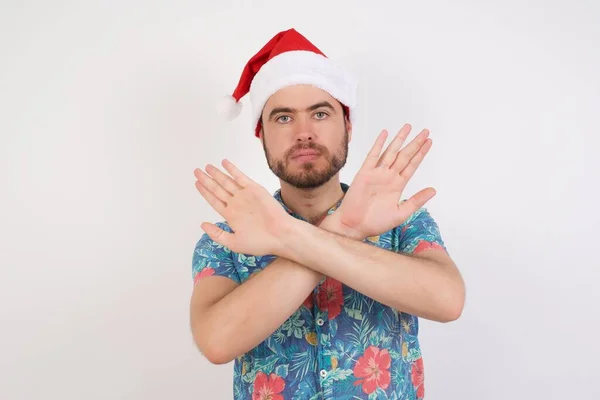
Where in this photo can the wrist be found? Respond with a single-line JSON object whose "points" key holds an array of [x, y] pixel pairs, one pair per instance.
{"points": [[292, 237], [333, 224], [288, 236]]}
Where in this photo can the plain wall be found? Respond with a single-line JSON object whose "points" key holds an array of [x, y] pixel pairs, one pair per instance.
{"points": [[107, 107]]}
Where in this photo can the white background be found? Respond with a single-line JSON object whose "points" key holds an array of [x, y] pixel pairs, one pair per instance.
{"points": [[107, 107]]}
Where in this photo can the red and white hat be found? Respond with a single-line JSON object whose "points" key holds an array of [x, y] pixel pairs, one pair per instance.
{"points": [[289, 59]]}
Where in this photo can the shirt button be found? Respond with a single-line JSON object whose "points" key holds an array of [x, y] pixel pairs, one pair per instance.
{"points": [[323, 373], [320, 322]]}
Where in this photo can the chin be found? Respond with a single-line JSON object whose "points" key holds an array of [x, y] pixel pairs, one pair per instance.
{"points": [[310, 168]]}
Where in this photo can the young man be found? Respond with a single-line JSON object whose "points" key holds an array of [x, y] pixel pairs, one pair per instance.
{"points": [[315, 292]]}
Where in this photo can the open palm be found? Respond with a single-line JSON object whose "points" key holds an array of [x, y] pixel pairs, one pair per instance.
{"points": [[255, 217], [372, 204]]}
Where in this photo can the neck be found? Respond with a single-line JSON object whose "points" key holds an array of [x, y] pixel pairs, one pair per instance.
{"points": [[312, 204]]}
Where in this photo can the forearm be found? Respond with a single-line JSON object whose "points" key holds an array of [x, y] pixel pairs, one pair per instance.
{"points": [[418, 286], [254, 310]]}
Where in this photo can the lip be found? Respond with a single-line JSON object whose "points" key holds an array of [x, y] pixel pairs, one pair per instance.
{"points": [[305, 154]]}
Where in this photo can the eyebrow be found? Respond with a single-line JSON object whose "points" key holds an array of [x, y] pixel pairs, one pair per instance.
{"points": [[278, 110]]}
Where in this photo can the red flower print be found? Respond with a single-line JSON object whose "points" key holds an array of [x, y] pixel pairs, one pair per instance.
{"points": [[425, 245], [373, 370], [417, 378], [205, 272], [331, 297], [268, 387]]}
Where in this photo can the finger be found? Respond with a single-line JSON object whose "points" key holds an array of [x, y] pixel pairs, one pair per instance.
{"points": [[213, 186], [389, 155], [218, 235], [223, 179], [241, 179], [417, 159], [373, 155], [407, 153], [414, 203], [211, 199]]}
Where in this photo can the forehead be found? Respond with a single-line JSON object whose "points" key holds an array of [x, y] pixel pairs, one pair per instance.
{"points": [[299, 97]]}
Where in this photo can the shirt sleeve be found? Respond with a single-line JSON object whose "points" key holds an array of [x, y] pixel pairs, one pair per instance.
{"points": [[419, 233], [213, 259]]}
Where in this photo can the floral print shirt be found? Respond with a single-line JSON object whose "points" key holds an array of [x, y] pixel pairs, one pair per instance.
{"points": [[339, 344]]}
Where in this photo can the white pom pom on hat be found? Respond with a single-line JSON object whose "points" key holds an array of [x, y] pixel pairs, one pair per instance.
{"points": [[229, 108], [287, 59]]}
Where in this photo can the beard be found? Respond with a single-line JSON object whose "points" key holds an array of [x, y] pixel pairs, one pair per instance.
{"points": [[310, 175]]}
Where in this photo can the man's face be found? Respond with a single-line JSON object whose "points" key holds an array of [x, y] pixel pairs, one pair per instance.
{"points": [[305, 136]]}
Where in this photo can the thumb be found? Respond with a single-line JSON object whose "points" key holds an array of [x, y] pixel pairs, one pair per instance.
{"points": [[414, 203], [217, 234]]}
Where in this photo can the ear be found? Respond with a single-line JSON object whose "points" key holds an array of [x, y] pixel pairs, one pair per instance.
{"points": [[349, 128], [261, 128]]}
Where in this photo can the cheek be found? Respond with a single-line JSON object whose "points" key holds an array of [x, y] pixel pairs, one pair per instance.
{"points": [[276, 147], [334, 142]]}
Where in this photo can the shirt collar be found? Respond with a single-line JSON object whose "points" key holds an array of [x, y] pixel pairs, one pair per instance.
{"points": [[277, 196]]}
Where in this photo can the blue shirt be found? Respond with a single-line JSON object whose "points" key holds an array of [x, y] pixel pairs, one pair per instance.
{"points": [[339, 344]]}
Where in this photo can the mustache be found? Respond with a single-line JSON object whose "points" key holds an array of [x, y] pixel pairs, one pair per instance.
{"points": [[306, 146]]}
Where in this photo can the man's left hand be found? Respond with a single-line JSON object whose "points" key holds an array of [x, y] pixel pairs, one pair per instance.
{"points": [[371, 204]]}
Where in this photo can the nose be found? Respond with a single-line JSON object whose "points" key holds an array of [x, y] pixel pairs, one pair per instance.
{"points": [[304, 136], [304, 131]]}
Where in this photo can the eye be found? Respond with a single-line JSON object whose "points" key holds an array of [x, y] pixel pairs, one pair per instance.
{"points": [[321, 115], [279, 119]]}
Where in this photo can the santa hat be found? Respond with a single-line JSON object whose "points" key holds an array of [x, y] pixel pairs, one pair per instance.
{"points": [[288, 59]]}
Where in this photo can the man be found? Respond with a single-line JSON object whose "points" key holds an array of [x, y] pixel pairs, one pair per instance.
{"points": [[315, 292]]}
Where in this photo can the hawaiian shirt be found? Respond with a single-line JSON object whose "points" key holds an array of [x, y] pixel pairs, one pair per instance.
{"points": [[339, 344]]}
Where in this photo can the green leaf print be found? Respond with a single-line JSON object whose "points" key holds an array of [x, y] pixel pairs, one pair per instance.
{"points": [[353, 300], [243, 273], [294, 325], [325, 340], [398, 375], [275, 346], [413, 355], [267, 365], [374, 339], [237, 392], [359, 336], [282, 370], [378, 394], [333, 326], [279, 336], [354, 313], [304, 390], [338, 374], [394, 354], [381, 394], [329, 352], [249, 377], [218, 246], [247, 260], [386, 341], [301, 363]]}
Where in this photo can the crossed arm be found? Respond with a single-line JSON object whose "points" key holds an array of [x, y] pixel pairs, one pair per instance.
{"points": [[427, 285], [229, 319]]}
